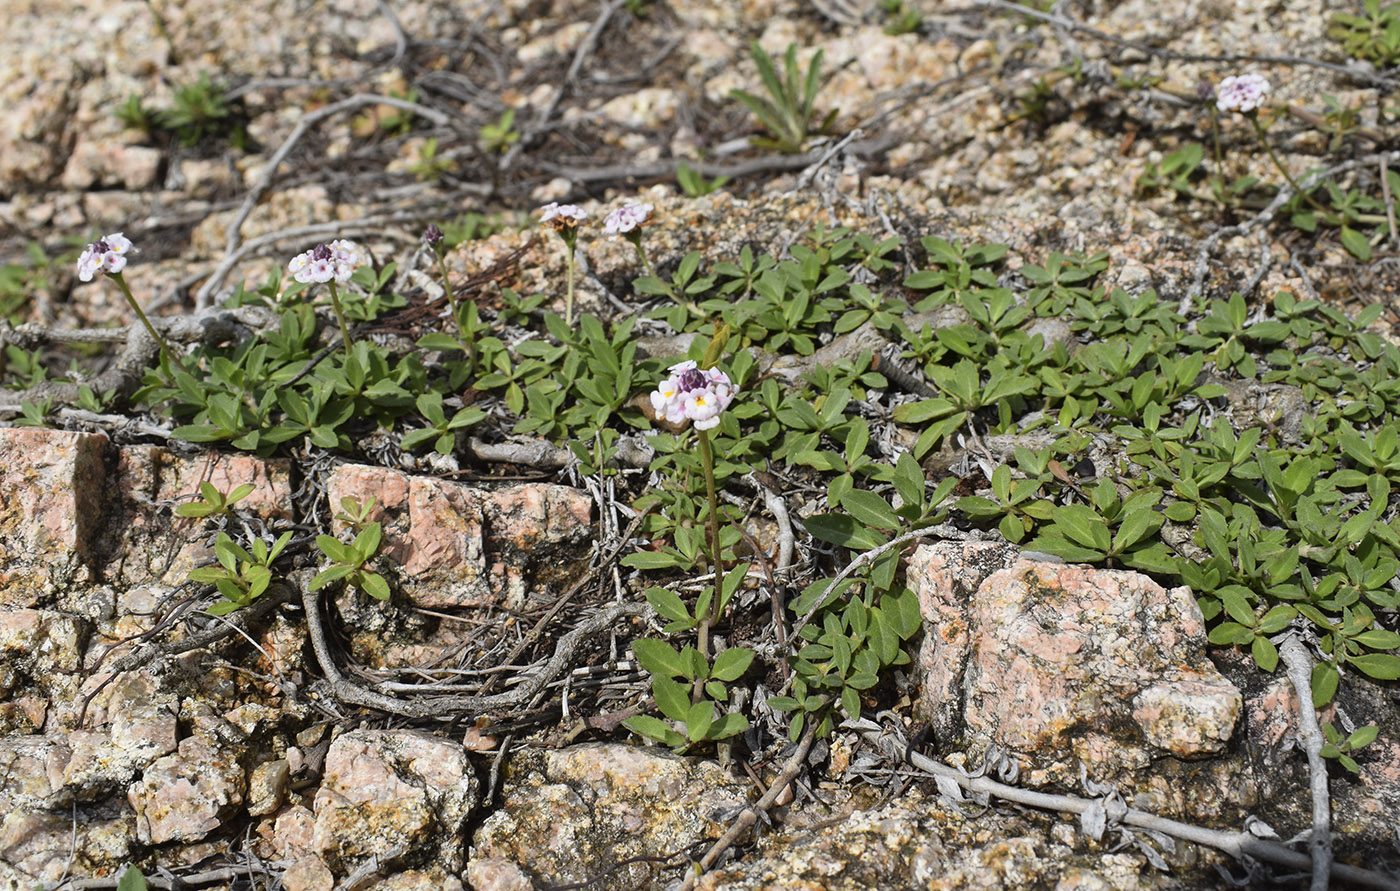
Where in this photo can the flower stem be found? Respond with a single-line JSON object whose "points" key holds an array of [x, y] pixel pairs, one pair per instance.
{"points": [[569, 297], [707, 461], [126, 292], [340, 317], [1264, 140], [447, 289]]}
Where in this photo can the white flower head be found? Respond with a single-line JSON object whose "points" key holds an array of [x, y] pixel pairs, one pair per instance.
{"points": [[337, 260], [562, 216], [346, 259], [626, 218], [691, 393], [108, 254], [1243, 93]]}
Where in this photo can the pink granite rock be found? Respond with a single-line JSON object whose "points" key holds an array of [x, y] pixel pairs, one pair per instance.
{"points": [[440, 534], [946, 576], [399, 795], [187, 795], [142, 727], [146, 541], [497, 874], [46, 846], [564, 812], [1061, 661], [51, 485], [308, 874]]}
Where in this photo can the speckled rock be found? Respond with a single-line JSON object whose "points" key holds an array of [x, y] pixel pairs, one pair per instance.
{"points": [[1058, 663], [918, 842], [187, 795], [100, 837], [399, 795], [565, 815], [40, 654], [51, 484], [433, 531], [141, 726], [33, 768], [141, 531]]}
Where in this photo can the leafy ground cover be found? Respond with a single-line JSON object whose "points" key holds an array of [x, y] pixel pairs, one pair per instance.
{"points": [[891, 386], [1124, 435]]}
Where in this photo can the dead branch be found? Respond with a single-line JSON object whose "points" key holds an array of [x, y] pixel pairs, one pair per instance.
{"points": [[1299, 667], [448, 707], [1236, 844], [791, 768]]}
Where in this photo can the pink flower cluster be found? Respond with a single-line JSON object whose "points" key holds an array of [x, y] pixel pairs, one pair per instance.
{"points": [[1243, 93], [104, 255], [562, 216], [337, 260], [691, 393], [626, 218]]}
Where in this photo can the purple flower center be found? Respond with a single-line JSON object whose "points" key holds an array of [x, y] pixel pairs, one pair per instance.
{"points": [[320, 252], [690, 379], [432, 235], [101, 246]]}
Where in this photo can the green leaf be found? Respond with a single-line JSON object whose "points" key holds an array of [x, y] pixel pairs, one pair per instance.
{"points": [[132, 880], [1363, 737], [1356, 243], [731, 664], [373, 584], [649, 560], [870, 509], [667, 604], [726, 726], [326, 576], [659, 658], [367, 542], [1265, 654], [654, 729], [1381, 666], [842, 530], [1081, 524], [1324, 683], [672, 697], [698, 720]]}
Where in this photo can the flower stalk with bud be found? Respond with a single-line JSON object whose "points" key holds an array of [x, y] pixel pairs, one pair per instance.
{"points": [[433, 238], [1244, 94], [329, 264], [108, 256], [700, 395], [565, 219], [627, 221]]}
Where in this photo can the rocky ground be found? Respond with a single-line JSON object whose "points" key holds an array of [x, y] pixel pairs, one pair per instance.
{"points": [[467, 732]]}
